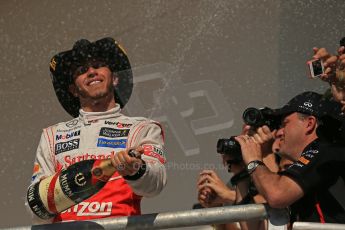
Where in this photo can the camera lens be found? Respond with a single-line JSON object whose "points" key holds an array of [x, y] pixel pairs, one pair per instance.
{"points": [[259, 117], [252, 116], [229, 146]]}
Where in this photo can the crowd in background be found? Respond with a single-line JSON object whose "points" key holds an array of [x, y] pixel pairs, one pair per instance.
{"points": [[294, 165]]}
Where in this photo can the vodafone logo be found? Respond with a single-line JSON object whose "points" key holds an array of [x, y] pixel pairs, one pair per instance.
{"points": [[118, 124]]}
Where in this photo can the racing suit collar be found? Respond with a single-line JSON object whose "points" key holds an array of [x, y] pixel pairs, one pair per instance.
{"points": [[90, 117]]}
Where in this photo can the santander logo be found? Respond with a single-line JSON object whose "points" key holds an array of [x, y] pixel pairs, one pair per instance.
{"points": [[70, 160]]}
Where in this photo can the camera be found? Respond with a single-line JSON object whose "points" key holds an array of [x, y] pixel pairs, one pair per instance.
{"points": [[230, 146], [259, 117], [316, 68], [255, 118]]}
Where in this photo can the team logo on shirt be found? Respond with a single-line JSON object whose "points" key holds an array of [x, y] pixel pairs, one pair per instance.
{"points": [[154, 151], [72, 123], [118, 124], [109, 132], [66, 146], [67, 135], [120, 143], [36, 168], [94, 208], [307, 156], [303, 160], [35, 171], [72, 159], [60, 130], [298, 164]]}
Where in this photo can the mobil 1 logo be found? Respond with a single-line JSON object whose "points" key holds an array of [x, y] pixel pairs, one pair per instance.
{"points": [[66, 146], [67, 135]]}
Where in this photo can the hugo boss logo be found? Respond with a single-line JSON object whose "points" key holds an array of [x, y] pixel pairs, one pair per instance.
{"points": [[80, 179], [66, 146]]}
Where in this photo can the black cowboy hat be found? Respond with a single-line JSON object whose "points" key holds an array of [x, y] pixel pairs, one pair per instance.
{"points": [[107, 50]]}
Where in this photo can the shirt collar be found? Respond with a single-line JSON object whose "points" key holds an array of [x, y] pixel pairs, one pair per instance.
{"points": [[90, 117]]}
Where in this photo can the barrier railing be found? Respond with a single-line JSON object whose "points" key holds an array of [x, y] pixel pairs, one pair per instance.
{"points": [[277, 219], [177, 219], [317, 226]]}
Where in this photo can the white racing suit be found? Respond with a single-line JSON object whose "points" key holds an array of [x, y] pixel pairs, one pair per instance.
{"points": [[99, 135]]}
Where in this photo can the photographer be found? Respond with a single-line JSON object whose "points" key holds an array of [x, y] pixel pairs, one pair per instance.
{"points": [[318, 163], [334, 71], [213, 192]]}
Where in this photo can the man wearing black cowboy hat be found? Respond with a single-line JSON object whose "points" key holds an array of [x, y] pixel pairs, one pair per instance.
{"points": [[93, 81], [318, 162]]}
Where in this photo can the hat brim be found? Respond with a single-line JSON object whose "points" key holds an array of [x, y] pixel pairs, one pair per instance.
{"points": [[106, 49]]}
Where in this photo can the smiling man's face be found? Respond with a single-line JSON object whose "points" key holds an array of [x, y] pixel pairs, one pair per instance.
{"points": [[93, 82]]}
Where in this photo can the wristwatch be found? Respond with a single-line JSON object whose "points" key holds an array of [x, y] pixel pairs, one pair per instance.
{"points": [[251, 166]]}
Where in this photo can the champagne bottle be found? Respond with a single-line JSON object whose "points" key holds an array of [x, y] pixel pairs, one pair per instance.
{"points": [[68, 187]]}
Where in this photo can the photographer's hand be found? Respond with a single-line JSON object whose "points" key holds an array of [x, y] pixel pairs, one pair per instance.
{"points": [[334, 72], [246, 129], [205, 195], [329, 62], [251, 149], [218, 192], [265, 137], [341, 58]]}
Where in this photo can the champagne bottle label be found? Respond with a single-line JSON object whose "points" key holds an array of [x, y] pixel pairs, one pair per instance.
{"points": [[36, 204], [61, 197], [64, 189], [79, 181], [50, 193]]}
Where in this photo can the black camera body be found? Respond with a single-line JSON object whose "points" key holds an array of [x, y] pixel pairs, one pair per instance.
{"points": [[255, 118], [230, 146], [259, 117]]}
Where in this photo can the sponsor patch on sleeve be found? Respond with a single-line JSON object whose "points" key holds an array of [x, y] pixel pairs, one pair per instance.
{"points": [[35, 172], [307, 156], [36, 168], [303, 160], [154, 151]]}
